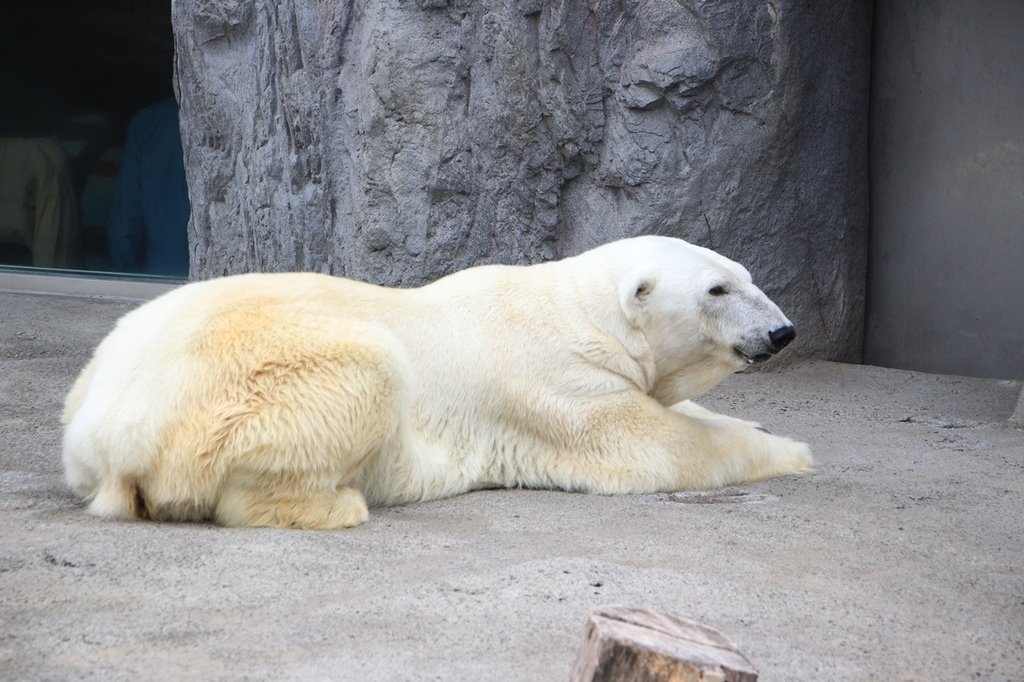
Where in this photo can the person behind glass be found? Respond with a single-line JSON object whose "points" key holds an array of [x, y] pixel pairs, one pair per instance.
{"points": [[147, 228], [38, 207]]}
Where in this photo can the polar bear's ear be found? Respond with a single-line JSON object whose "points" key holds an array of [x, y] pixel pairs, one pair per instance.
{"points": [[633, 293]]}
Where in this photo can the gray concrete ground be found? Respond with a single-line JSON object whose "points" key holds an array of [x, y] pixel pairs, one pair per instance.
{"points": [[899, 558]]}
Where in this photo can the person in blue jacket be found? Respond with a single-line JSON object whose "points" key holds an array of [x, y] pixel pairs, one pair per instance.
{"points": [[147, 229]]}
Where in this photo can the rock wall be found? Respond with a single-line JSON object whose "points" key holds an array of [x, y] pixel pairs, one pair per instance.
{"points": [[398, 140]]}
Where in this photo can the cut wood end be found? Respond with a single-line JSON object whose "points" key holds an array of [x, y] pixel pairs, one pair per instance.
{"points": [[622, 643]]}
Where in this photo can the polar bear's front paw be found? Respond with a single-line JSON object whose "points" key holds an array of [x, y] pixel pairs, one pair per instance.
{"points": [[795, 459]]}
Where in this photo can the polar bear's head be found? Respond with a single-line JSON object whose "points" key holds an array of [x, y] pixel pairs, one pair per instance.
{"points": [[700, 313]]}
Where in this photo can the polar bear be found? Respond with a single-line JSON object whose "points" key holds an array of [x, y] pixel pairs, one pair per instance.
{"points": [[297, 400]]}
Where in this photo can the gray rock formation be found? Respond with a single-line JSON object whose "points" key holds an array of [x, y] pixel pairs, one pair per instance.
{"points": [[398, 140]]}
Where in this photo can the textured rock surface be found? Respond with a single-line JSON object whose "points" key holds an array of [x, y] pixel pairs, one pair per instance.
{"points": [[398, 140]]}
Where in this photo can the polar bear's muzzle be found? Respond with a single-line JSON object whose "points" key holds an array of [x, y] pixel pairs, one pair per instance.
{"points": [[764, 349]]}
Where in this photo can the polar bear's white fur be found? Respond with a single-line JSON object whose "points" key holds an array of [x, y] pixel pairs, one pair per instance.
{"points": [[297, 399]]}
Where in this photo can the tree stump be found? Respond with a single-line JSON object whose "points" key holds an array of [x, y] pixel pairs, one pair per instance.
{"points": [[625, 644]]}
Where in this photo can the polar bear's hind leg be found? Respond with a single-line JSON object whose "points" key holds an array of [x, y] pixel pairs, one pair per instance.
{"points": [[308, 429]]}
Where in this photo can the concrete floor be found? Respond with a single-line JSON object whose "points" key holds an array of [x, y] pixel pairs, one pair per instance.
{"points": [[899, 558]]}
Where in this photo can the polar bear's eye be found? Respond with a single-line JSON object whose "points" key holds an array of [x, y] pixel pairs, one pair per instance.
{"points": [[717, 291]]}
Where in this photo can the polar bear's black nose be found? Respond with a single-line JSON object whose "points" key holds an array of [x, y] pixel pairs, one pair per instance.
{"points": [[781, 337]]}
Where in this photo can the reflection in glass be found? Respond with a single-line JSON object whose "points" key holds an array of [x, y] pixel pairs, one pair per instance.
{"points": [[91, 175]]}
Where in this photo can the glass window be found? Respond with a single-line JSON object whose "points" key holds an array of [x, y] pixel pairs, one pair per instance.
{"points": [[91, 173]]}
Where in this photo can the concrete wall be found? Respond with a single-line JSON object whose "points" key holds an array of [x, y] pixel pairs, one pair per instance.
{"points": [[946, 273]]}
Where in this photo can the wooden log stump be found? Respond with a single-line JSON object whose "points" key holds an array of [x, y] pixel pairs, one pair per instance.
{"points": [[635, 645]]}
